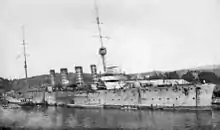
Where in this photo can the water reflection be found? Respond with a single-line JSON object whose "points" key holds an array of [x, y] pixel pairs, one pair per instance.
{"points": [[57, 118]]}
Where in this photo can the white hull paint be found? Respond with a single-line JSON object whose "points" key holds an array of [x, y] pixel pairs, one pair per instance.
{"points": [[199, 95]]}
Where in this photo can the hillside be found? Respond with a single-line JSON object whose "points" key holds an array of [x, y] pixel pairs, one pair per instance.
{"points": [[37, 81], [209, 68], [209, 73], [5, 85]]}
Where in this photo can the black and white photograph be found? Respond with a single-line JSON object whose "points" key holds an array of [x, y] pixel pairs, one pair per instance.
{"points": [[110, 64]]}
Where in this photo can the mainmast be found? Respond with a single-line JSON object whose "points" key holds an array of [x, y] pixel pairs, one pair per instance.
{"points": [[25, 54], [102, 50]]}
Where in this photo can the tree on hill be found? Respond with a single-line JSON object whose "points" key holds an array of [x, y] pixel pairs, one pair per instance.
{"points": [[5, 84], [162, 76], [154, 75], [172, 75], [188, 77], [209, 77]]}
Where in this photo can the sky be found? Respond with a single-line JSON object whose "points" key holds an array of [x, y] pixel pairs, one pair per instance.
{"points": [[145, 35]]}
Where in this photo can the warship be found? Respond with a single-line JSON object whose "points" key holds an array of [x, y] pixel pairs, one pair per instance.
{"points": [[113, 89]]}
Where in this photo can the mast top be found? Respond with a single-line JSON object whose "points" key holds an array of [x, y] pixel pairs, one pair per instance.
{"points": [[23, 33]]}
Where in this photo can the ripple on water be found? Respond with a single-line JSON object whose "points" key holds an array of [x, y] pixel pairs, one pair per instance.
{"points": [[59, 118]]}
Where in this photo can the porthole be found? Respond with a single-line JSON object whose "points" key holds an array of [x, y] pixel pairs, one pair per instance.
{"points": [[159, 98], [191, 88], [118, 99], [112, 99], [193, 98], [176, 98], [152, 98]]}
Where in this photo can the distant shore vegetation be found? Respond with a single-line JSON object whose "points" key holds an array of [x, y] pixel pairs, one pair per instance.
{"points": [[188, 75]]}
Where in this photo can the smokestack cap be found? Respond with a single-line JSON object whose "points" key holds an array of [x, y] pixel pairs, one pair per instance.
{"points": [[63, 70], [78, 69], [52, 71]]}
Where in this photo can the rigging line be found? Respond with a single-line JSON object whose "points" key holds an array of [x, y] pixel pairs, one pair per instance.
{"points": [[98, 23]]}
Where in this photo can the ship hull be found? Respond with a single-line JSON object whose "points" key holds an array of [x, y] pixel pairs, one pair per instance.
{"points": [[37, 97], [188, 97], [59, 97], [175, 97]]}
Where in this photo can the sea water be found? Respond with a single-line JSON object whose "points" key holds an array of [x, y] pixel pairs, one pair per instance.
{"points": [[68, 118]]}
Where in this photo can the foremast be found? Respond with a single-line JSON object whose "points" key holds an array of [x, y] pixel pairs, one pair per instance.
{"points": [[25, 55]]}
